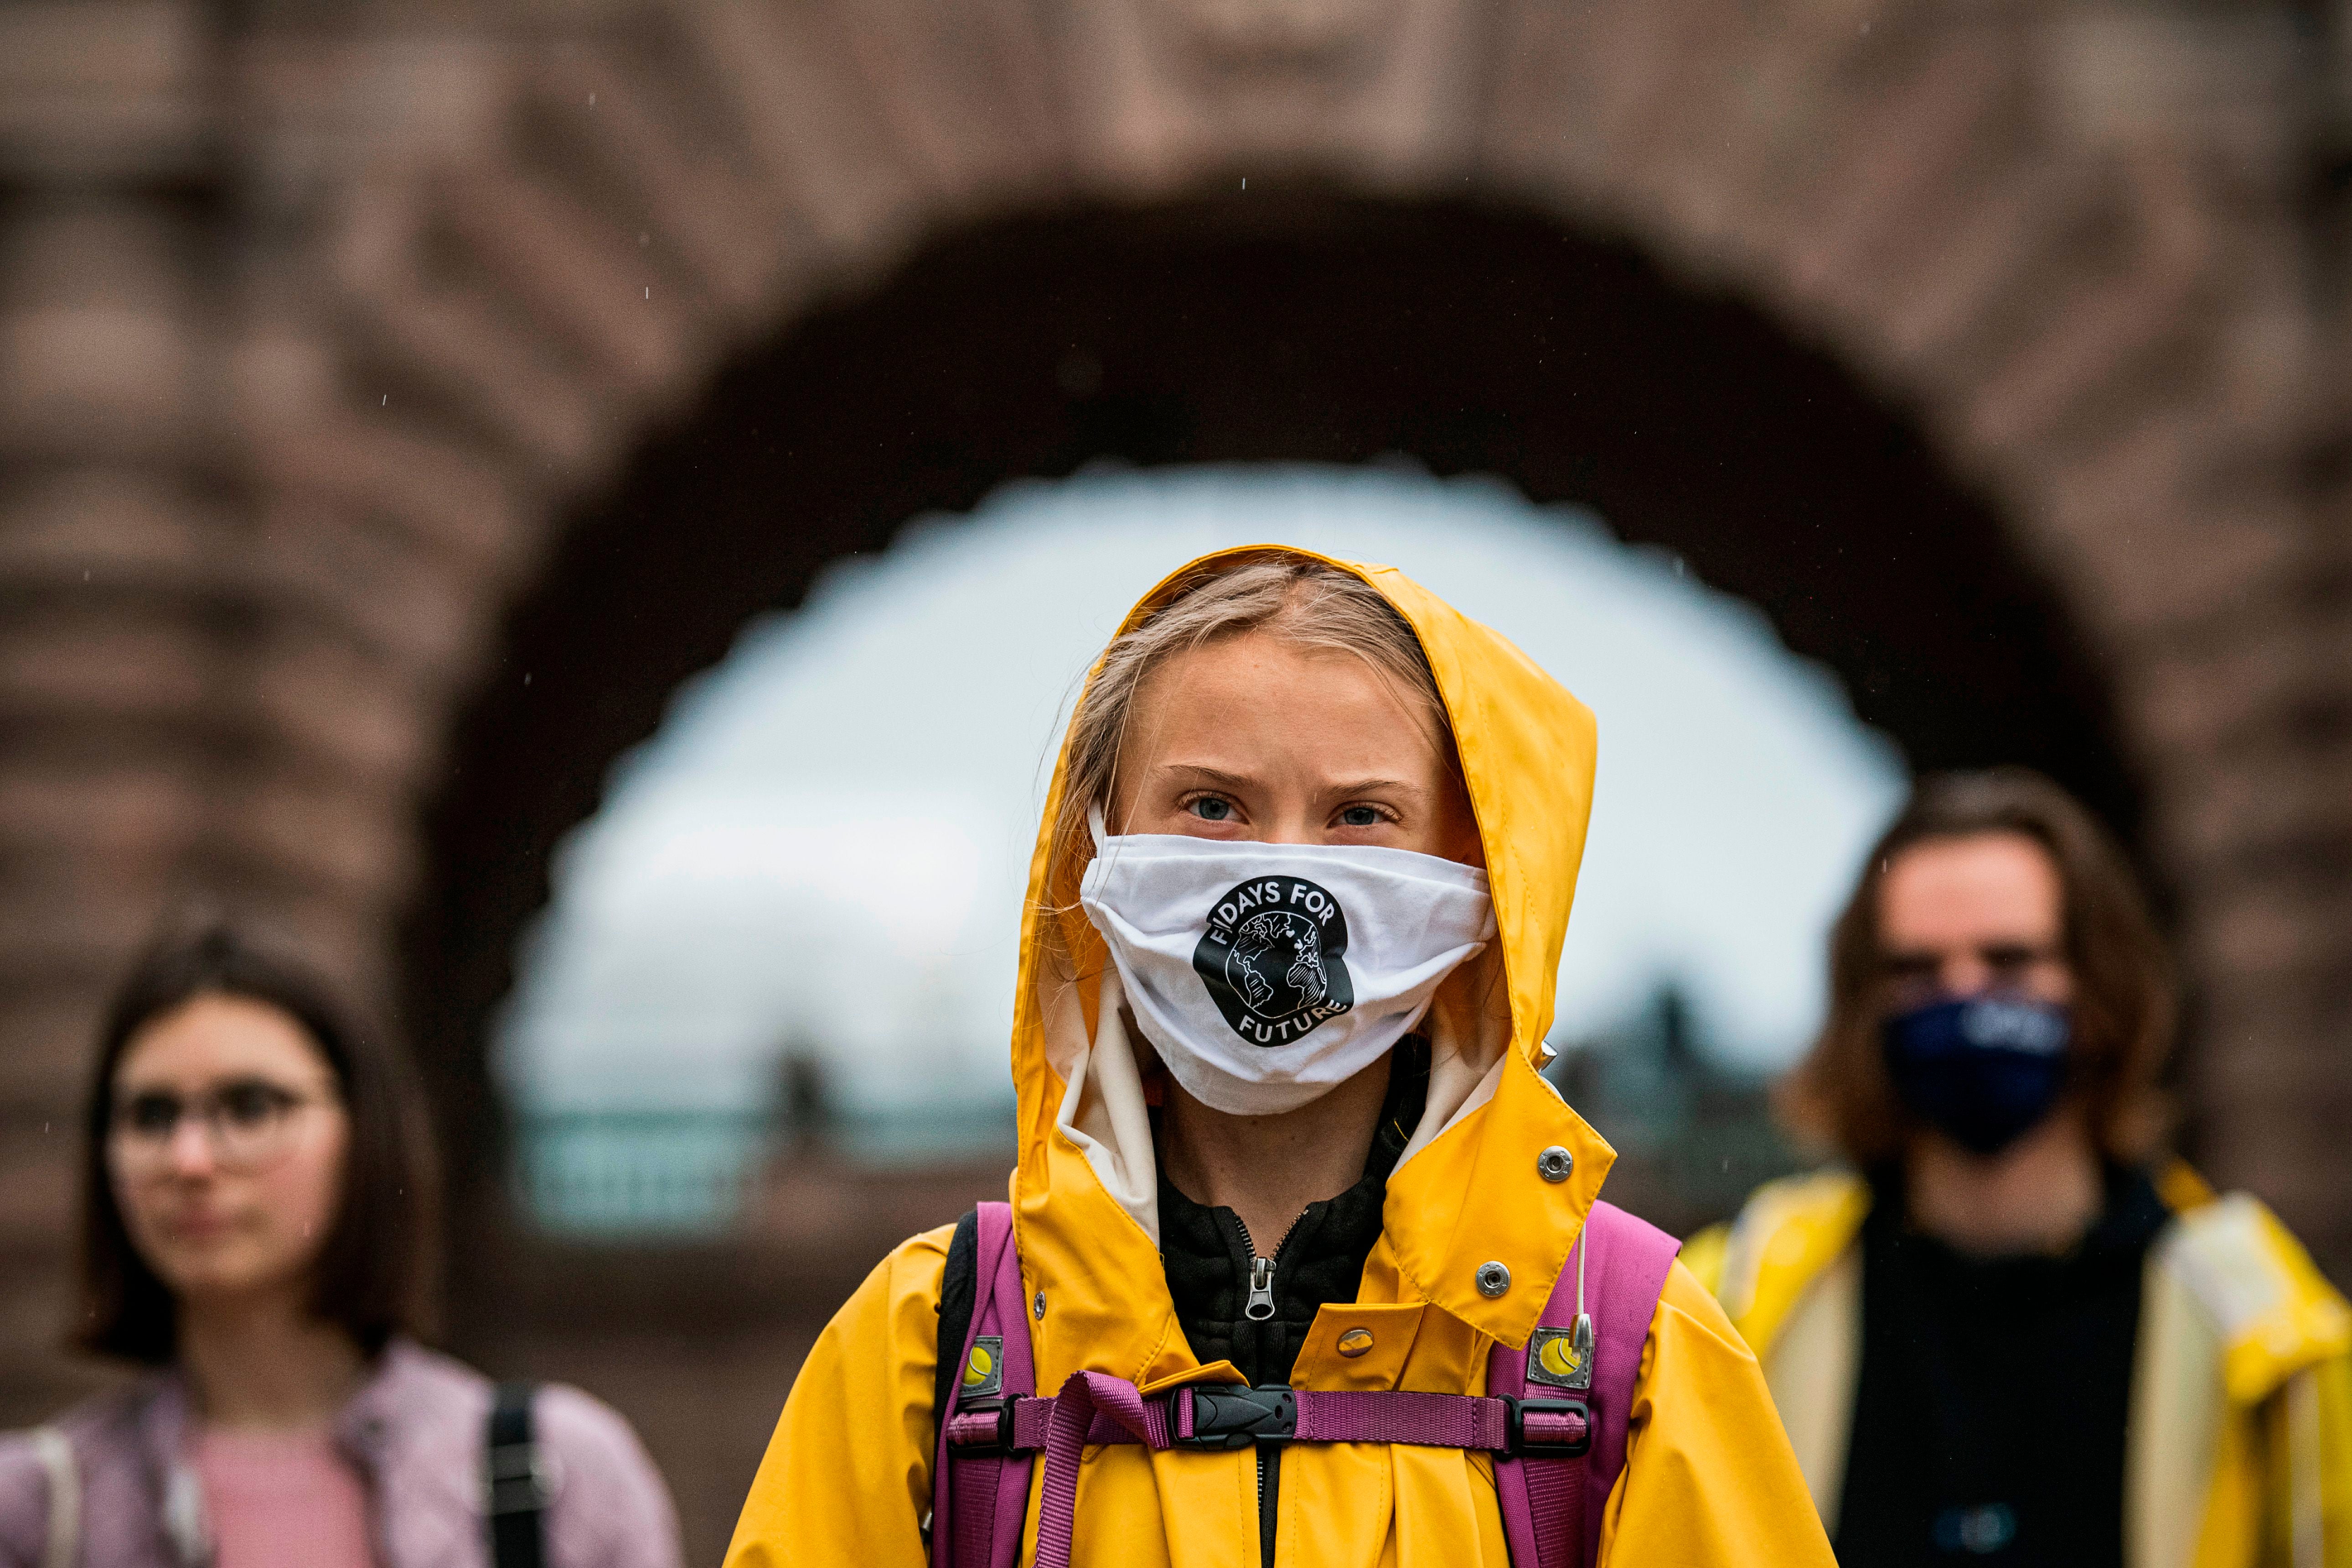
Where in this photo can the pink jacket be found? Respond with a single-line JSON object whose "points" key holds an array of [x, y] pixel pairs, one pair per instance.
{"points": [[415, 1434]]}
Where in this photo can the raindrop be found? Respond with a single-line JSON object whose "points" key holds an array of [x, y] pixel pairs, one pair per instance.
{"points": [[387, 401], [592, 101], [526, 678]]}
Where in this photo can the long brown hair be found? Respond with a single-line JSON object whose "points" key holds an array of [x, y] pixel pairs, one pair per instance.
{"points": [[2124, 1002], [375, 1270]]}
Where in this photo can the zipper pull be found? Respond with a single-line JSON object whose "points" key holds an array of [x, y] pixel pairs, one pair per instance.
{"points": [[1261, 1296]]}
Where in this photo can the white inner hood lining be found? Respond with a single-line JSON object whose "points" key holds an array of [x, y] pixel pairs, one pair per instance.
{"points": [[1103, 1114]]}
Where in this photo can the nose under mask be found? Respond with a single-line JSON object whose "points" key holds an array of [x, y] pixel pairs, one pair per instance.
{"points": [[1985, 1070], [1264, 975]]}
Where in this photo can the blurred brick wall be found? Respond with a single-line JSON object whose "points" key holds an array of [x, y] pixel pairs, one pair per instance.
{"points": [[312, 316]]}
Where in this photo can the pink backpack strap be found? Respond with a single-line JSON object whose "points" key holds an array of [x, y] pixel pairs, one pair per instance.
{"points": [[1553, 1504], [980, 1494]]}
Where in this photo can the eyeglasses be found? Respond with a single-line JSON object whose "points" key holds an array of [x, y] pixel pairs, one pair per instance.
{"points": [[247, 1123]]}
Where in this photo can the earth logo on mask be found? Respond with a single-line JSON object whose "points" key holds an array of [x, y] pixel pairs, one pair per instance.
{"points": [[1273, 958]]}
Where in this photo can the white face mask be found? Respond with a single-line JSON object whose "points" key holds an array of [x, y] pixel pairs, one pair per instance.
{"points": [[1265, 973]]}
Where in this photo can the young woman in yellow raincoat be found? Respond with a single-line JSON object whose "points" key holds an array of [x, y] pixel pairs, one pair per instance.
{"points": [[2008, 1333], [1326, 1171]]}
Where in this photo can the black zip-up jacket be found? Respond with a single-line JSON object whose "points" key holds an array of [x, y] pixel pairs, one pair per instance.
{"points": [[1207, 1253]]}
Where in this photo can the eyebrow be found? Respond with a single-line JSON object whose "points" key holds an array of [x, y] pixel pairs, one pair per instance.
{"points": [[1207, 775], [228, 1080]]}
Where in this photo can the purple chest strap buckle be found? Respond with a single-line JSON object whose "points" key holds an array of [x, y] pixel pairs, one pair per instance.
{"points": [[1547, 1428]]}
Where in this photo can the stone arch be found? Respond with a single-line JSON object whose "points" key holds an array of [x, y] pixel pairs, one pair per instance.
{"points": [[1309, 327], [375, 299], [2041, 233]]}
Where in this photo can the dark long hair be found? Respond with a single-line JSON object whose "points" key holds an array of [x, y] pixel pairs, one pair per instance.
{"points": [[374, 1272], [2124, 1002]]}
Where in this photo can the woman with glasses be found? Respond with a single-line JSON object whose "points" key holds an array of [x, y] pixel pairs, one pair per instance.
{"points": [[257, 1202]]}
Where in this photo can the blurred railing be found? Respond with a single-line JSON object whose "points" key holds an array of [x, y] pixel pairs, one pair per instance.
{"points": [[680, 1174], [627, 1173], [1694, 1138]]}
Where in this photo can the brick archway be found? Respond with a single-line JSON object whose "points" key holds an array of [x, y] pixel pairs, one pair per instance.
{"points": [[1307, 327], [317, 329]]}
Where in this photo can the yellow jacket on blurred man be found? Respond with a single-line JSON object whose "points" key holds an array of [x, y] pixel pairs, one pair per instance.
{"points": [[2239, 1446]]}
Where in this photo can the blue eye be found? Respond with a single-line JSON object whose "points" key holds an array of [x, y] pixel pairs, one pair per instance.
{"points": [[1359, 817], [1209, 808]]}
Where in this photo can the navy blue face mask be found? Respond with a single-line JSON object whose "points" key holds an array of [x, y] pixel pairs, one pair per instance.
{"points": [[1983, 1070]]}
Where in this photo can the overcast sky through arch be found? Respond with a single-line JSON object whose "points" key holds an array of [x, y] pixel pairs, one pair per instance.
{"points": [[826, 845]]}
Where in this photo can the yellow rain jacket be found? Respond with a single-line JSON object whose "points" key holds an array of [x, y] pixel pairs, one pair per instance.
{"points": [[1708, 1480], [2239, 1440]]}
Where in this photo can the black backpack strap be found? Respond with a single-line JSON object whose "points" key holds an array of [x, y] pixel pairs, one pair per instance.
{"points": [[958, 1295], [517, 1480]]}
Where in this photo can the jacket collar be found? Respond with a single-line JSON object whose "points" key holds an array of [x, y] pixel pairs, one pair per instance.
{"points": [[1098, 1290], [164, 1423], [364, 1429]]}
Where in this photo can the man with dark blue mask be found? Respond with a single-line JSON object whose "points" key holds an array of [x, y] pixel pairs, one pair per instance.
{"points": [[2013, 1331]]}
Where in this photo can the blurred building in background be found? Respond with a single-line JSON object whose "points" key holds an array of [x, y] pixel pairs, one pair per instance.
{"points": [[398, 401]]}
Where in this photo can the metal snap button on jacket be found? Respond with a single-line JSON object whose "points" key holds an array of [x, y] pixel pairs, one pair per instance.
{"points": [[1554, 1165], [1493, 1279], [1355, 1342]]}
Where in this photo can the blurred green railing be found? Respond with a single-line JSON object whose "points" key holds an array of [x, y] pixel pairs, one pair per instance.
{"points": [[635, 1172], [617, 1173]]}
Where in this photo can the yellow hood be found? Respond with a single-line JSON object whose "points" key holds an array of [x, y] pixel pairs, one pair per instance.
{"points": [[1527, 751]]}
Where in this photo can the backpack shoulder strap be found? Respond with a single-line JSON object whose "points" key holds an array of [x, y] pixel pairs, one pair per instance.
{"points": [[516, 1480], [978, 1498], [959, 1289], [1552, 1507]]}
